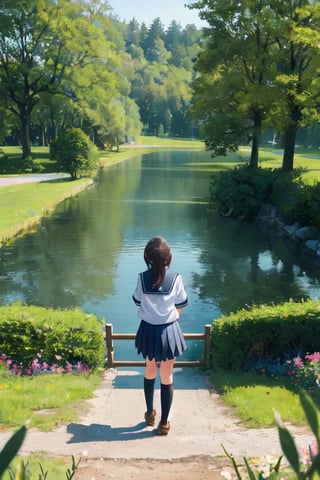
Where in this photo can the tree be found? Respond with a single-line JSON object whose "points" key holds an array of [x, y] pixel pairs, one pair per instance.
{"points": [[273, 47], [74, 152], [298, 72], [233, 92], [57, 48]]}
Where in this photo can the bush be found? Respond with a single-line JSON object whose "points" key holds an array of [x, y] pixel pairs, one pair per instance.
{"points": [[60, 337], [239, 192], [74, 152], [271, 333], [307, 210]]}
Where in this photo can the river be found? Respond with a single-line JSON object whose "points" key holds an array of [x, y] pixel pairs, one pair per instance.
{"points": [[89, 252]]}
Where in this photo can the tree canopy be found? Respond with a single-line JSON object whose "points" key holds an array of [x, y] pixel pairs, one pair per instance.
{"points": [[253, 70], [74, 64], [259, 68]]}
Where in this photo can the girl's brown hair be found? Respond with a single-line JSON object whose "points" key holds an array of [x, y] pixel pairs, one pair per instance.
{"points": [[157, 256]]}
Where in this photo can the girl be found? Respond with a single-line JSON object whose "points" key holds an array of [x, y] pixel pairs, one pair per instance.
{"points": [[160, 296]]}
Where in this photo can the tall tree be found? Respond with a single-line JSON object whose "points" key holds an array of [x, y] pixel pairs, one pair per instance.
{"points": [[44, 44], [273, 46], [232, 90], [298, 71]]}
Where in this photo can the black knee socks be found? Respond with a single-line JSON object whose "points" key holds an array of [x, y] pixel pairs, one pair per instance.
{"points": [[166, 401], [148, 393]]}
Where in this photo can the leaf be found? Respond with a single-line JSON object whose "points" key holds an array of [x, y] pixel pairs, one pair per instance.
{"points": [[252, 475], [288, 445], [21, 471], [234, 463], [278, 464], [311, 413], [11, 448], [314, 468]]}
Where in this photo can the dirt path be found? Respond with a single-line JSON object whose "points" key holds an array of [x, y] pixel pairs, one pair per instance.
{"points": [[113, 441]]}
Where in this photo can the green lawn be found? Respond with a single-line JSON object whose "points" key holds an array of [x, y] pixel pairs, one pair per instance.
{"points": [[23, 205]]}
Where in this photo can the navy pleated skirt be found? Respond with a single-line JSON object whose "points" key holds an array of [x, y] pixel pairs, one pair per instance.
{"points": [[162, 342]]}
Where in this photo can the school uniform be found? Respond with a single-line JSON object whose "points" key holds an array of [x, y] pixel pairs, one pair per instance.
{"points": [[159, 334]]}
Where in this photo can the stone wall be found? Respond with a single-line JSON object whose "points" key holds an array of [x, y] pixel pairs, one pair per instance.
{"points": [[306, 236]]}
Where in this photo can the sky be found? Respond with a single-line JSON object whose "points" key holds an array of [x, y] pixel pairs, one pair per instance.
{"points": [[147, 10]]}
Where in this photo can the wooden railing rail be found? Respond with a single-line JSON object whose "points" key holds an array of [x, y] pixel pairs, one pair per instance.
{"points": [[112, 363]]}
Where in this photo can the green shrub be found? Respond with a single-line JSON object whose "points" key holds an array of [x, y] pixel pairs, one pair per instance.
{"points": [[265, 333], [307, 210], [239, 192], [58, 336], [74, 152]]}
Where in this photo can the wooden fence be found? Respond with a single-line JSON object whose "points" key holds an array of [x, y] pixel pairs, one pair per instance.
{"points": [[112, 363]]}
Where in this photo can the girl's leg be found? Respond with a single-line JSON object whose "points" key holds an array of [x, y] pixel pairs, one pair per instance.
{"points": [[149, 381], [166, 378]]}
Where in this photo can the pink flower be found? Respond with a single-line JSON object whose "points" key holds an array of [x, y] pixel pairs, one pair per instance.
{"points": [[68, 367], [314, 357], [298, 362]]}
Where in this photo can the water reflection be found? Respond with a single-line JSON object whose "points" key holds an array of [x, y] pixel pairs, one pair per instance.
{"points": [[88, 254]]}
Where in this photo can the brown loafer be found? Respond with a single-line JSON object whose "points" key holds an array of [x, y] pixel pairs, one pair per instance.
{"points": [[150, 418], [163, 428]]}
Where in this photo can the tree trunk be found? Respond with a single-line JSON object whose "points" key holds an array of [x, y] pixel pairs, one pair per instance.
{"points": [[254, 152], [289, 147], [25, 127], [254, 158]]}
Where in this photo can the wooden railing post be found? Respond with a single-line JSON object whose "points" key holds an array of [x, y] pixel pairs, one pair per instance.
{"points": [[109, 344], [206, 347]]}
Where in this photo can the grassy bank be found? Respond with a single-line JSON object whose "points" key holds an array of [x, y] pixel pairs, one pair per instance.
{"points": [[23, 205]]}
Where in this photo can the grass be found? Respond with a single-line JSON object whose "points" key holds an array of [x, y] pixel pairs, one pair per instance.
{"points": [[254, 398], [37, 463], [23, 205], [46, 400]]}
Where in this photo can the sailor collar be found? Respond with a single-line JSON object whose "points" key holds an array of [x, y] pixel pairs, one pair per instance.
{"points": [[164, 289]]}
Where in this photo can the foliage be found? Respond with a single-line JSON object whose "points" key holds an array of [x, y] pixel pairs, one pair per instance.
{"points": [[306, 211], [11, 449], [59, 336], [74, 152], [54, 51], [74, 64], [301, 469], [265, 333], [246, 78], [241, 191], [305, 372]]}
